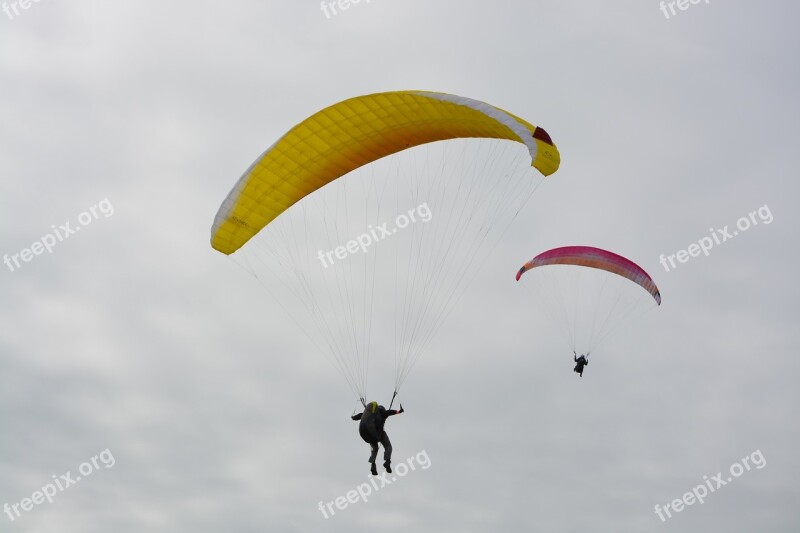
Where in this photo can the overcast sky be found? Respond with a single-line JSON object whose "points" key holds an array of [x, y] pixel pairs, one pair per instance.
{"points": [[136, 337]]}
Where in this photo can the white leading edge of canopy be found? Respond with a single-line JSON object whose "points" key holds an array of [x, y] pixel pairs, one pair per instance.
{"points": [[492, 112]]}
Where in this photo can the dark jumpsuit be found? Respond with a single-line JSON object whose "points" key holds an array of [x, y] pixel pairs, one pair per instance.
{"points": [[371, 429], [581, 362]]}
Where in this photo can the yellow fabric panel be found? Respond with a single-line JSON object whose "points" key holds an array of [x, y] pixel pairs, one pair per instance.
{"points": [[342, 138]]}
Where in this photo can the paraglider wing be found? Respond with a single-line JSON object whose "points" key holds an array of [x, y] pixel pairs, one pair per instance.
{"points": [[595, 258], [353, 133]]}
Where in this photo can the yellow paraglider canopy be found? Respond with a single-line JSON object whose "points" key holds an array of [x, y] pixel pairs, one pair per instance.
{"points": [[353, 133]]}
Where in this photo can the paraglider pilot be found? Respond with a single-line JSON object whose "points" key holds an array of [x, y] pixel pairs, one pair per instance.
{"points": [[581, 362], [371, 430]]}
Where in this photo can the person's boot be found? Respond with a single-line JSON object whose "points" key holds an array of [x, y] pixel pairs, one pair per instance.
{"points": [[388, 466], [374, 470]]}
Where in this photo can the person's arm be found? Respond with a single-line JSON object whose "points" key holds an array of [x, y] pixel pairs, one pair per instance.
{"points": [[395, 411], [357, 417]]}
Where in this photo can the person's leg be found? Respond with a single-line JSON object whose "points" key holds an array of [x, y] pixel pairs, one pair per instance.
{"points": [[372, 468], [387, 449], [374, 453]]}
